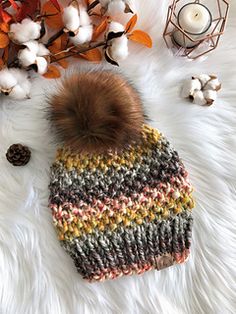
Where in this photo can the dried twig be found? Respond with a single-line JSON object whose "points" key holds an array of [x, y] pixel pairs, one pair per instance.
{"points": [[82, 50], [92, 5], [54, 37]]}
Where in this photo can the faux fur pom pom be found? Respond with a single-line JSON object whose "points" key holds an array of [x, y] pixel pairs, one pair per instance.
{"points": [[96, 112]]}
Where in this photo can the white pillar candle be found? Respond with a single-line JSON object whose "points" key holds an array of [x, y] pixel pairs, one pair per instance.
{"points": [[194, 18], [181, 40]]}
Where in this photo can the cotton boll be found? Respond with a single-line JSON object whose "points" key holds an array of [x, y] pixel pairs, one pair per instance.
{"points": [[42, 65], [187, 86], [18, 93], [204, 78], [210, 96], [116, 7], [84, 35], [71, 18], [198, 98], [25, 31], [119, 49], [7, 80], [19, 75], [116, 27], [195, 85], [213, 84], [190, 86], [33, 46], [42, 51], [22, 79], [84, 17], [26, 57]]}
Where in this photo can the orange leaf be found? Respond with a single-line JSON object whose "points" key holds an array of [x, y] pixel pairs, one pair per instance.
{"points": [[56, 4], [100, 28], [132, 22], [54, 20], [5, 17], [141, 38], [92, 55], [63, 63], [4, 27], [52, 72], [4, 40]]}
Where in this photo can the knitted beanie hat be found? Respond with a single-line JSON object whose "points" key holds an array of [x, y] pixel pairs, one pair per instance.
{"points": [[120, 212]]}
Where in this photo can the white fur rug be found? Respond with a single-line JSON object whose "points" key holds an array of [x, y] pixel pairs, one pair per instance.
{"points": [[36, 275]]}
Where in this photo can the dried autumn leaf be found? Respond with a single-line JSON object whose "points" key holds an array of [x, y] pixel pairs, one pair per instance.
{"points": [[4, 27], [14, 4], [4, 16], [28, 8], [52, 73], [131, 23], [4, 40], [100, 28], [53, 17], [141, 38], [92, 55], [56, 4], [63, 63]]}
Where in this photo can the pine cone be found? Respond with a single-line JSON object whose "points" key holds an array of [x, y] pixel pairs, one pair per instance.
{"points": [[18, 155]]}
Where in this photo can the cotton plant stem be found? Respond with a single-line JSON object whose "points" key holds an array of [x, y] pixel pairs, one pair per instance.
{"points": [[85, 49], [54, 37], [92, 5]]}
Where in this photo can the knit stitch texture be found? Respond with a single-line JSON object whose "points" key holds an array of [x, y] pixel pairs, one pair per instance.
{"points": [[123, 212]]}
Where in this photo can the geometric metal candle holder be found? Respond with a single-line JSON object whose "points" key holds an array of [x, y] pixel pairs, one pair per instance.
{"points": [[191, 46]]}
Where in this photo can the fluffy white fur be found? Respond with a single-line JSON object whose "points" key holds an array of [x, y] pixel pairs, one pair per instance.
{"points": [[36, 274]]}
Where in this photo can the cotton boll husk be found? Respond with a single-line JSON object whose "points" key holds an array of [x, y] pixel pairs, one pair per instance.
{"points": [[25, 31], [116, 27], [42, 65], [203, 78], [210, 96], [7, 80], [116, 7], [131, 4], [71, 18], [213, 84], [18, 93], [198, 98], [26, 57], [119, 49], [84, 35], [84, 17]]}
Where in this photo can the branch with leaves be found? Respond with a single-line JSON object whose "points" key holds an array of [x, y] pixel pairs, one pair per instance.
{"points": [[83, 29]]}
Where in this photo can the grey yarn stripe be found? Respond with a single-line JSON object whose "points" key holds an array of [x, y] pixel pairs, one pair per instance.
{"points": [[137, 244], [71, 186]]}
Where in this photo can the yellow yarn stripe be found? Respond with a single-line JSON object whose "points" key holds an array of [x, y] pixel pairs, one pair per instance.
{"points": [[134, 154], [75, 226]]}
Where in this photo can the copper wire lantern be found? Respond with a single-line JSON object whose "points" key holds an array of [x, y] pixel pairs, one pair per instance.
{"points": [[191, 45]]}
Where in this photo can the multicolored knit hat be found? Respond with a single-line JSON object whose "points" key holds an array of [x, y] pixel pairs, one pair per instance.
{"points": [[122, 212]]}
